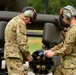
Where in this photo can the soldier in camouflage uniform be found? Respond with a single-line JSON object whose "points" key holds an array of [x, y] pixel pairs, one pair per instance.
{"points": [[16, 48], [67, 48]]}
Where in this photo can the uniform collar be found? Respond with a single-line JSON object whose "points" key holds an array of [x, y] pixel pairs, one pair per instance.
{"points": [[71, 25]]}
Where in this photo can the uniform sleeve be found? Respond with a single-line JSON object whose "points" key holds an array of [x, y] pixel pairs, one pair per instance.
{"points": [[22, 39], [67, 46], [57, 47]]}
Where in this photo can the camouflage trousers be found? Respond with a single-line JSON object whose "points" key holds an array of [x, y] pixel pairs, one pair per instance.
{"points": [[14, 66], [64, 71]]}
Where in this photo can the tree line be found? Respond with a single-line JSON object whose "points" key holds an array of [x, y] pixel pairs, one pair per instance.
{"points": [[54, 6]]}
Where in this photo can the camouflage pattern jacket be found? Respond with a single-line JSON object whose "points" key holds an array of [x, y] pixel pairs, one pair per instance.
{"points": [[16, 39], [67, 49]]}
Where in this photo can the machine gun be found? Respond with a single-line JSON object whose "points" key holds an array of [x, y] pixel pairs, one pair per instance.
{"points": [[42, 65]]}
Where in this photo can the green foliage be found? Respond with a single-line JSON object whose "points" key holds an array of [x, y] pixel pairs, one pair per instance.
{"points": [[37, 4], [54, 6]]}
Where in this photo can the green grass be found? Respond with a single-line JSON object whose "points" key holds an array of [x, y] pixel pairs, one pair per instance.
{"points": [[34, 43], [34, 47]]}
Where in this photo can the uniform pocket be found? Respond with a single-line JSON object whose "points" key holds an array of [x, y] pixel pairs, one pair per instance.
{"points": [[70, 62]]}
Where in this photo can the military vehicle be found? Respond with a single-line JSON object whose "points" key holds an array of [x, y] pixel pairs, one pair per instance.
{"points": [[51, 26]]}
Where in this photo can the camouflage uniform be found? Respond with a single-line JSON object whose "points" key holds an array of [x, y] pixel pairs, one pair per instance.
{"points": [[67, 50], [16, 48]]}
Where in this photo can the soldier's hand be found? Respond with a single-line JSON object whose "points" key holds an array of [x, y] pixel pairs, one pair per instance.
{"points": [[48, 53], [30, 58]]}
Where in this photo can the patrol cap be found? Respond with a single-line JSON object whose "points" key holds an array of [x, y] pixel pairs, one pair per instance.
{"points": [[71, 9], [30, 10]]}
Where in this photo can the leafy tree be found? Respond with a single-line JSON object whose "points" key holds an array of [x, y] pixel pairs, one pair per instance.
{"points": [[37, 4], [54, 6]]}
